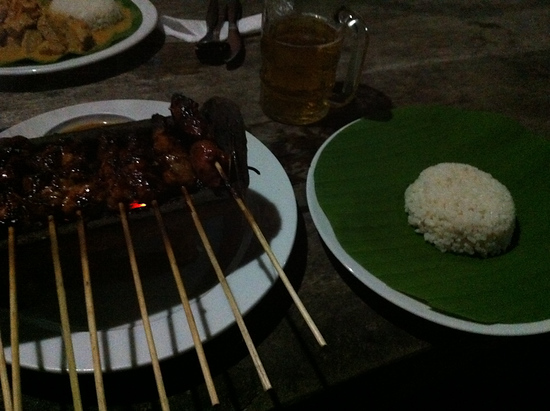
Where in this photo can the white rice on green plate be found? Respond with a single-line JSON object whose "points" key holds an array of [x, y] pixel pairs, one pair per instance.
{"points": [[461, 209], [96, 13]]}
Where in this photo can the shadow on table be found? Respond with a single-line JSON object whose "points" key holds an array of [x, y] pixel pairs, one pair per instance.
{"points": [[369, 103], [126, 389], [87, 74], [459, 370]]}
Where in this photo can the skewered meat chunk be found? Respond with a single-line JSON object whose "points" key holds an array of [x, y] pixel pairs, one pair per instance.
{"points": [[204, 155], [10, 207], [59, 179], [13, 153], [129, 171], [188, 119], [172, 156]]}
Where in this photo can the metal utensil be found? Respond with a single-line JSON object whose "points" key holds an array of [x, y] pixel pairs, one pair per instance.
{"points": [[211, 21], [234, 39], [210, 50]]}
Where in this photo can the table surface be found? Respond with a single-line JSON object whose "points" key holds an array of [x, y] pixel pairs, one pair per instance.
{"points": [[491, 56]]}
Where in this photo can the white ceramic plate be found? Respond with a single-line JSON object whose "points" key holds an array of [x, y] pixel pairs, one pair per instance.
{"points": [[126, 346], [401, 300], [150, 17]]}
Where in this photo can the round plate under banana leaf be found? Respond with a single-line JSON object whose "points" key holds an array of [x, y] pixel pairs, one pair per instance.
{"points": [[356, 191]]}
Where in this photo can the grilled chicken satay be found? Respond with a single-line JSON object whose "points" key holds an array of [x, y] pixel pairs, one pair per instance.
{"points": [[70, 174]]}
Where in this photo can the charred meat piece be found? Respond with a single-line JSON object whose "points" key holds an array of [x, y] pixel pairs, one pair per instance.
{"points": [[60, 179], [172, 156], [41, 189], [14, 152], [188, 119], [128, 171], [204, 156], [11, 207]]}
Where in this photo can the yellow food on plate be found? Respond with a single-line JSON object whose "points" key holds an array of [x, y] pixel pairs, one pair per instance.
{"points": [[44, 31]]}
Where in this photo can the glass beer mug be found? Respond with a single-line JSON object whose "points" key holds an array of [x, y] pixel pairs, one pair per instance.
{"points": [[302, 52]]}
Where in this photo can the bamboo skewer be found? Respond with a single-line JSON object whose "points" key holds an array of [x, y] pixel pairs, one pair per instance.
{"points": [[4, 380], [64, 314], [143, 309], [267, 248], [227, 290], [187, 308], [98, 375], [14, 325]]}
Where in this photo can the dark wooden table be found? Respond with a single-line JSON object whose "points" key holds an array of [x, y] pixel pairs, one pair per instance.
{"points": [[491, 56]]}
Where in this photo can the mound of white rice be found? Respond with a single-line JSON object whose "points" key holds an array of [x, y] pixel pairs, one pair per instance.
{"points": [[96, 13], [462, 209]]}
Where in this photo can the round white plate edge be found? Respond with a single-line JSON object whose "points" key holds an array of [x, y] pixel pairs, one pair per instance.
{"points": [[125, 346], [150, 19], [399, 299]]}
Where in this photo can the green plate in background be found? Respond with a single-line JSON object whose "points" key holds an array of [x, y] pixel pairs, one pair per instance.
{"points": [[135, 22], [145, 18], [356, 191]]}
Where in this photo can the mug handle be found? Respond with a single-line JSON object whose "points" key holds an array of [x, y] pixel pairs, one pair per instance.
{"points": [[345, 92]]}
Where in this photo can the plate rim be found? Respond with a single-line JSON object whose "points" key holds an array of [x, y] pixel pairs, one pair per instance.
{"points": [[149, 21], [322, 223], [45, 354]]}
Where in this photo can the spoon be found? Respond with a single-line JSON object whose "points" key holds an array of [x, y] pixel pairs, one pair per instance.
{"points": [[234, 39], [210, 50]]}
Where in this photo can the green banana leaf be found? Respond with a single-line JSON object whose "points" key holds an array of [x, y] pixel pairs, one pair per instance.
{"points": [[360, 180]]}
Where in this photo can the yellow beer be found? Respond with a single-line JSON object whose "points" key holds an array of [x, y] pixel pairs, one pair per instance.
{"points": [[300, 55]]}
